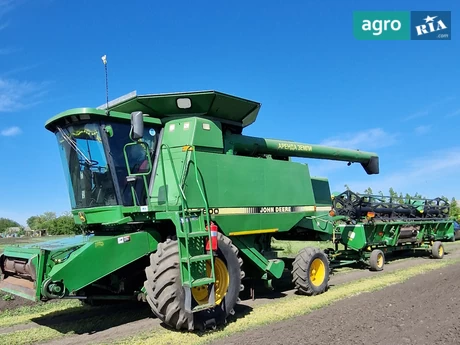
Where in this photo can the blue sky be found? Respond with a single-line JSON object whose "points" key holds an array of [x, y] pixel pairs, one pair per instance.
{"points": [[316, 82]]}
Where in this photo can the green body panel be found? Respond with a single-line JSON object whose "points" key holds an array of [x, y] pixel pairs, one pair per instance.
{"points": [[255, 182], [274, 267], [389, 233], [361, 238], [121, 250], [81, 260]]}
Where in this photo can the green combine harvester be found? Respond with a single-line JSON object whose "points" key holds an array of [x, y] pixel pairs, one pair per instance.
{"points": [[180, 208]]}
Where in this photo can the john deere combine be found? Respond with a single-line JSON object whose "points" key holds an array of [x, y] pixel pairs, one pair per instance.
{"points": [[179, 208]]}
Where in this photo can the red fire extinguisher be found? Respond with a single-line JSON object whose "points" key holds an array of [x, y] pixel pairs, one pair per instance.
{"points": [[213, 237]]}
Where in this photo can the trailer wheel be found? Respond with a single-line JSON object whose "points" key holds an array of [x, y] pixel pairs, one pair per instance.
{"points": [[310, 271], [166, 296], [377, 260], [437, 250]]}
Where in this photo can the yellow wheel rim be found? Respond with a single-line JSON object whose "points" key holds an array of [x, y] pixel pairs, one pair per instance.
{"points": [[317, 272], [380, 260], [200, 293], [440, 250]]}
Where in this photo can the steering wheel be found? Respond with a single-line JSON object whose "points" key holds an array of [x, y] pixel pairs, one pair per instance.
{"points": [[91, 163]]}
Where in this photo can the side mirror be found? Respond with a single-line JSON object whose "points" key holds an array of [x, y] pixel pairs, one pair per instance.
{"points": [[137, 125]]}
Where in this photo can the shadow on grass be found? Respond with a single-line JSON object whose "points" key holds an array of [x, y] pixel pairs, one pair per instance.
{"points": [[89, 319]]}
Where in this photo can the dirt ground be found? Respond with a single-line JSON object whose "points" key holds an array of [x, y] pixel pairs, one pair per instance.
{"points": [[8, 301], [423, 310]]}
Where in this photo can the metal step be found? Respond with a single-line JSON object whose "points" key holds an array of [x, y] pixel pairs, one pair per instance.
{"points": [[197, 258], [202, 281], [198, 234]]}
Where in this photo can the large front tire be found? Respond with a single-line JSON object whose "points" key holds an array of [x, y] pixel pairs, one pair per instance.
{"points": [[310, 271], [166, 296]]}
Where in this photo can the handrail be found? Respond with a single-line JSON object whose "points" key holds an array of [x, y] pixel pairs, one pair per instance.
{"points": [[199, 186], [206, 207], [183, 199]]}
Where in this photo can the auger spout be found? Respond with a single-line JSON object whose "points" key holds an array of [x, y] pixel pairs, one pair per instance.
{"points": [[282, 148]]}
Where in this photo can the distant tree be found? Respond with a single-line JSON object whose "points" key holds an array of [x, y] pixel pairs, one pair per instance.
{"points": [[6, 223], [368, 191], [62, 225], [454, 208]]}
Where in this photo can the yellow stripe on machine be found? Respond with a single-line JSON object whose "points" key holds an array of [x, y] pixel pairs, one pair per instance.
{"points": [[252, 232]]}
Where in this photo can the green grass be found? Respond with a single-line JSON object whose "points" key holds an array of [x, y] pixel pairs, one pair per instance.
{"points": [[79, 322]]}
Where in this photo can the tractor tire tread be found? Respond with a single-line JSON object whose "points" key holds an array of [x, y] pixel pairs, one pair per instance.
{"points": [[300, 268]]}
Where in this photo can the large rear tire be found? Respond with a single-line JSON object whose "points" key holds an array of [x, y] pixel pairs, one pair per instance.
{"points": [[166, 296], [310, 271]]}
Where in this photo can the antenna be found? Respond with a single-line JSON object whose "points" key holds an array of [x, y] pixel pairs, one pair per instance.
{"points": [[104, 61]]}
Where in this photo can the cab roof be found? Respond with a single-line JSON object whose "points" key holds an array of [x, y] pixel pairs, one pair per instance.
{"points": [[216, 105]]}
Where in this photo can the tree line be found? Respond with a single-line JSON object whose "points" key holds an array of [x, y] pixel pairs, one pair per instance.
{"points": [[49, 221]]}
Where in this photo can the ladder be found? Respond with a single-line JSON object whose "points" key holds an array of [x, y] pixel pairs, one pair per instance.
{"points": [[192, 235], [194, 261]]}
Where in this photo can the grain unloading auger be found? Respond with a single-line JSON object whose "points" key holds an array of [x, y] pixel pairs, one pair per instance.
{"points": [[376, 225], [179, 208]]}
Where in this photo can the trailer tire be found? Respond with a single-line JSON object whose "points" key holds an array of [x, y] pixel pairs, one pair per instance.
{"points": [[166, 296], [310, 264], [377, 260], [437, 250]]}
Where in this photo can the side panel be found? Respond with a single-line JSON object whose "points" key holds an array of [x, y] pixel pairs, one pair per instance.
{"points": [[110, 254], [174, 159], [247, 193]]}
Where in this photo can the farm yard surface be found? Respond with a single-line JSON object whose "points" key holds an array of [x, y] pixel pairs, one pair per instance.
{"points": [[423, 310], [414, 300]]}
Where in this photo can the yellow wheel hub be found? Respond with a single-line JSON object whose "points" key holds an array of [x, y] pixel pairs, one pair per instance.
{"points": [[200, 293], [317, 272], [440, 250], [380, 260]]}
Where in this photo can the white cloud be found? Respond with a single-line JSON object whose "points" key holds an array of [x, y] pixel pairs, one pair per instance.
{"points": [[16, 95], [420, 130], [427, 175], [7, 51], [454, 113], [11, 131], [428, 109], [366, 140]]}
